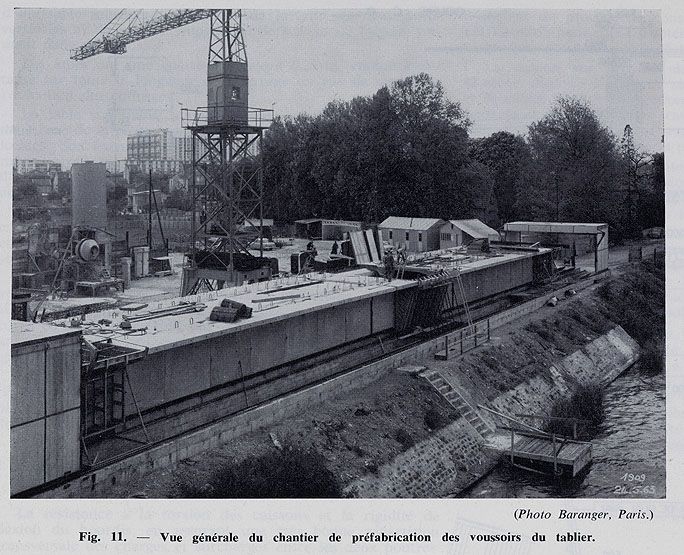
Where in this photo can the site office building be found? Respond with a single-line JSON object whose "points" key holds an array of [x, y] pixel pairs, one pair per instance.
{"points": [[411, 234]]}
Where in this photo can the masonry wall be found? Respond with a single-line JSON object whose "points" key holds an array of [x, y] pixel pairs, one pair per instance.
{"points": [[437, 464]]}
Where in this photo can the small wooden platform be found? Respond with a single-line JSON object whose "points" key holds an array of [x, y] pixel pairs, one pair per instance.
{"points": [[537, 452], [95, 286]]}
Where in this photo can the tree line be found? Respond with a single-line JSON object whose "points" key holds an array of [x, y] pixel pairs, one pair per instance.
{"points": [[406, 151]]}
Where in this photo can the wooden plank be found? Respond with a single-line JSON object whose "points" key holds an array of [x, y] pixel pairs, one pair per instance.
{"points": [[359, 246], [374, 253], [542, 450]]}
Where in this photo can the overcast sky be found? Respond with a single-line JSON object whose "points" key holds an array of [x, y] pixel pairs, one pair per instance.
{"points": [[505, 67]]}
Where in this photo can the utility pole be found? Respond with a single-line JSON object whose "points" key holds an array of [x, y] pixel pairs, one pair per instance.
{"points": [[555, 181], [557, 201], [149, 211]]}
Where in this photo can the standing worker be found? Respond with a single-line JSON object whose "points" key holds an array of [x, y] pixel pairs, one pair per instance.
{"points": [[389, 265], [335, 247], [401, 255]]}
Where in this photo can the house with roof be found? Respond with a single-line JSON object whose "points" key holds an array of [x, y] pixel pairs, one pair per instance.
{"points": [[411, 234], [455, 233]]}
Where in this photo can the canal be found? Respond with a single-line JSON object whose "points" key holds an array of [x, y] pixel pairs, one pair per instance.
{"points": [[628, 450]]}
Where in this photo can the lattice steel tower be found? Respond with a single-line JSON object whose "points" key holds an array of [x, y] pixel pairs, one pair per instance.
{"points": [[227, 174]]}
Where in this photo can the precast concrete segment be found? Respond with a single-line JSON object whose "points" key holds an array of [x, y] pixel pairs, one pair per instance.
{"points": [[174, 331], [45, 400]]}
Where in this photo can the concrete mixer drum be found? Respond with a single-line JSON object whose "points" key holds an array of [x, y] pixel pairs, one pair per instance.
{"points": [[87, 250]]}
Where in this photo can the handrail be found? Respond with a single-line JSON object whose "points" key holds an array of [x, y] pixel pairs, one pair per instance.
{"points": [[197, 117], [561, 418], [500, 414]]}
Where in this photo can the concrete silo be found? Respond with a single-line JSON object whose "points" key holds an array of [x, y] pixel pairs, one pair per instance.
{"points": [[88, 195]]}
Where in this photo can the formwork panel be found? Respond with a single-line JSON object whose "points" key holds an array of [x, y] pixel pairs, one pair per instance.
{"points": [[497, 279], [269, 347], [374, 253], [330, 327], [147, 383], [63, 376], [383, 312], [301, 333], [28, 383], [187, 370], [26, 456], [357, 320], [62, 448], [231, 358]]}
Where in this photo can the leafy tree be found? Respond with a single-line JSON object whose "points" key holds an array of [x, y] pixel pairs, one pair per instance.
{"points": [[117, 199], [652, 207], [509, 159], [179, 199], [577, 164], [401, 151]]}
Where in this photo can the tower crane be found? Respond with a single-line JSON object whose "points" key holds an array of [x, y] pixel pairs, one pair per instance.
{"points": [[227, 174]]}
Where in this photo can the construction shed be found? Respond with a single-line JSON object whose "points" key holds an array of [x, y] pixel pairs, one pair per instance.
{"points": [[411, 234], [334, 230], [311, 228], [582, 243], [455, 233], [253, 225], [327, 230]]}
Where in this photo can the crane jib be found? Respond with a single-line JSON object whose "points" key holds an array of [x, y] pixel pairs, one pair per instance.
{"points": [[128, 26]]}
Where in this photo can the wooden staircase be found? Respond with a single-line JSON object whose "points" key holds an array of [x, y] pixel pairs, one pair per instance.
{"points": [[456, 400]]}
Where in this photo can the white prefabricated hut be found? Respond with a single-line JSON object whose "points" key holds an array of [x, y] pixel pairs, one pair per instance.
{"points": [[411, 234], [455, 233]]}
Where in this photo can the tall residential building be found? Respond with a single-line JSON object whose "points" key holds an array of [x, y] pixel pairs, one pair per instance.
{"points": [[152, 149], [183, 149], [116, 166], [42, 166]]}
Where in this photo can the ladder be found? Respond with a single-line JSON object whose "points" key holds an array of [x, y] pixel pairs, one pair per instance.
{"points": [[403, 259], [456, 400]]}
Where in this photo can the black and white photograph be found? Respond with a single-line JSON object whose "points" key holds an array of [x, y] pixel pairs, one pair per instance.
{"points": [[397, 254], [342, 256]]}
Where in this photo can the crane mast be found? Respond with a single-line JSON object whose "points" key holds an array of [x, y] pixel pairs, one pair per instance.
{"points": [[227, 176]]}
